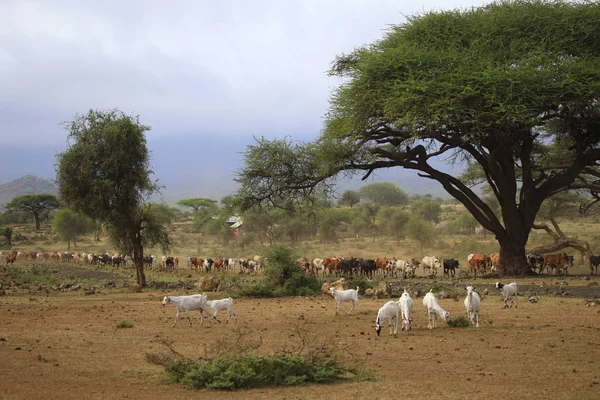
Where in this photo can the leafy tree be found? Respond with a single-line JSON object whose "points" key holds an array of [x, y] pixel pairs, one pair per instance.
{"points": [[349, 198], [370, 209], [34, 204], [7, 232], [69, 225], [464, 223], [511, 87], [360, 223], [199, 203], [393, 221], [105, 175], [429, 210], [420, 231], [383, 194]]}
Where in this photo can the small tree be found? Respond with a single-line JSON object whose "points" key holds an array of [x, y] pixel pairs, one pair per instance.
{"points": [[199, 203], [349, 198], [69, 225], [428, 210], [34, 204], [383, 194], [393, 221], [105, 174], [420, 231], [7, 232]]}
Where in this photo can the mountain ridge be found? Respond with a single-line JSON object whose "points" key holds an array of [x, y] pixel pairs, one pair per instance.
{"points": [[27, 184]]}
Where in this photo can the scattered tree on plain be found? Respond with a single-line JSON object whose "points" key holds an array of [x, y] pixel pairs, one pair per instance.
{"points": [[505, 87], [69, 225], [349, 198], [35, 204], [105, 175]]}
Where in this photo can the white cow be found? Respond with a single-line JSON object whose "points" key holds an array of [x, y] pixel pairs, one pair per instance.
{"points": [[406, 305], [431, 263]]}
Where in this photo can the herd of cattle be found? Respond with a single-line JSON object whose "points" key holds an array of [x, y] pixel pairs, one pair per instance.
{"points": [[477, 264]]}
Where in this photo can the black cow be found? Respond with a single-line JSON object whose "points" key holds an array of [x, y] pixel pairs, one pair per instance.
{"points": [[450, 265], [594, 262], [536, 261], [170, 262], [367, 267]]}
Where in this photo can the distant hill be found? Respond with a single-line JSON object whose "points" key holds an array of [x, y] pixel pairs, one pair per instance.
{"points": [[28, 184]]}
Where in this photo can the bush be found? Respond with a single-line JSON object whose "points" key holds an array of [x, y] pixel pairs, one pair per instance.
{"points": [[361, 282], [284, 276], [124, 324], [459, 322], [245, 371]]}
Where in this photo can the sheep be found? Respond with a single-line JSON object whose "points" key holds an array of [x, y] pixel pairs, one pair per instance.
{"points": [[508, 292], [472, 302], [223, 304], [389, 311], [345, 295], [433, 309], [187, 303], [406, 303]]}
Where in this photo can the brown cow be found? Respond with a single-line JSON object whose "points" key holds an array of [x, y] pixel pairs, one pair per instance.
{"points": [[495, 259], [557, 262], [478, 263], [11, 258], [334, 265], [382, 266], [218, 264]]}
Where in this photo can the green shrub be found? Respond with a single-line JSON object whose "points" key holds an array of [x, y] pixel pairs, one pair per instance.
{"points": [[285, 276], [459, 322], [257, 290], [245, 371], [124, 324], [362, 283]]}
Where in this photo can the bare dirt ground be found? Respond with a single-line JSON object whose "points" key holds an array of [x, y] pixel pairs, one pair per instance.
{"points": [[67, 346]]}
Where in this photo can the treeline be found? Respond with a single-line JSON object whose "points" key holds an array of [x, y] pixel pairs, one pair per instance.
{"points": [[374, 211]]}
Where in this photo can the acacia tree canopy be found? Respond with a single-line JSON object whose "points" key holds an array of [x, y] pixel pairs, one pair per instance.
{"points": [[383, 194], [35, 204], [105, 174], [506, 87]]}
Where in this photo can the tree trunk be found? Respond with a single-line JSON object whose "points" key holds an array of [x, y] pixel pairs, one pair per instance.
{"points": [[581, 245], [36, 217], [138, 260], [68, 244], [513, 260]]}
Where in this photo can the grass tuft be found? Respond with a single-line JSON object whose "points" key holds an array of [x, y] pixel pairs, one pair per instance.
{"points": [[124, 324]]}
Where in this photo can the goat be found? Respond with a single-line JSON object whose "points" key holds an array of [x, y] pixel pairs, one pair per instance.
{"points": [[345, 295], [508, 292], [406, 304], [223, 304], [187, 303], [389, 311], [433, 309], [472, 302]]}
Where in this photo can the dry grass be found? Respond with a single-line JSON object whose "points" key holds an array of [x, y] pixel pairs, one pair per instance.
{"points": [[67, 346]]}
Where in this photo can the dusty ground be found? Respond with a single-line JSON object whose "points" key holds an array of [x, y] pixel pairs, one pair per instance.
{"points": [[67, 346]]}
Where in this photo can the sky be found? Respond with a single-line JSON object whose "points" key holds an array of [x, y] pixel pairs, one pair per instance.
{"points": [[206, 75]]}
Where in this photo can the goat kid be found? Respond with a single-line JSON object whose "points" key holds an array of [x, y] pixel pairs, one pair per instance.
{"points": [[223, 304], [508, 292], [345, 295]]}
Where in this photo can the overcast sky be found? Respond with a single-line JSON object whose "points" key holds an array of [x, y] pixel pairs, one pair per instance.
{"points": [[190, 69]]}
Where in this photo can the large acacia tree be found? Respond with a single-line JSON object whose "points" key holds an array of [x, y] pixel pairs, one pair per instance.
{"points": [[512, 88], [35, 204], [105, 174]]}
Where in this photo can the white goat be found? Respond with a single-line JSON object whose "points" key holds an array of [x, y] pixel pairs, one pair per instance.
{"points": [[345, 295], [472, 302], [406, 305], [223, 304], [389, 311], [508, 292], [187, 304], [433, 309]]}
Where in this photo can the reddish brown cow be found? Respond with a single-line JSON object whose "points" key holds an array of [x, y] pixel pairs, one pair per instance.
{"points": [[381, 266], [335, 265], [478, 263], [11, 258], [557, 262]]}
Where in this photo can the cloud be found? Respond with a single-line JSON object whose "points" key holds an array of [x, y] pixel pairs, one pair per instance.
{"points": [[195, 67]]}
